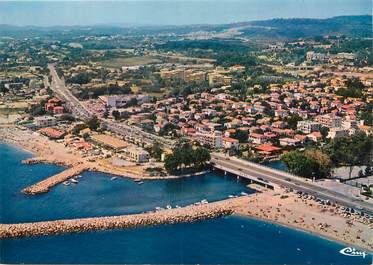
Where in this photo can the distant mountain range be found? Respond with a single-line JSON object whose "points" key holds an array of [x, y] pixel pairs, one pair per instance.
{"points": [[353, 26]]}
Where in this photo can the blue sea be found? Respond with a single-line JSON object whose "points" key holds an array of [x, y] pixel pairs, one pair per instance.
{"points": [[229, 240]]}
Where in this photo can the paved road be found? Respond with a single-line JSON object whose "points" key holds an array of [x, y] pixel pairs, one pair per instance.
{"points": [[58, 86], [288, 180]]}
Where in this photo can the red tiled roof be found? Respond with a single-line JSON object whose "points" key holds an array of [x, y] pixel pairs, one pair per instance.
{"points": [[267, 148]]}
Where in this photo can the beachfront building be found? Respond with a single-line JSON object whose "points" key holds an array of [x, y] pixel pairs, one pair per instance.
{"points": [[52, 133], [109, 141], [45, 121], [137, 154]]}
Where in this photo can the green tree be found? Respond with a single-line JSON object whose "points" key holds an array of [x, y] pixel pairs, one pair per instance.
{"points": [[351, 151], [93, 123], [201, 155], [116, 114], [156, 151], [324, 132], [293, 120], [310, 163]]}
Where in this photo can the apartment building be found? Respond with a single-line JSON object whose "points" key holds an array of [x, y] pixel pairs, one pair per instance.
{"points": [[45, 121], [308, 126]]}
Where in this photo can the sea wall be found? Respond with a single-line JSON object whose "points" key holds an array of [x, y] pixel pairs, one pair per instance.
{"points": [[180, 215], [44, 185]]}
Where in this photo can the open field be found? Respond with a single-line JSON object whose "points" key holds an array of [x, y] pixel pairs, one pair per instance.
{"points": [[137, 60]]}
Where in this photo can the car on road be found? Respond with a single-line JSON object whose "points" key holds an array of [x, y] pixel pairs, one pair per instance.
{"points": [[262, 179]]}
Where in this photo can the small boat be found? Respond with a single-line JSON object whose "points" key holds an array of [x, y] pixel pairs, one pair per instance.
{"points": [[299, 249], [168, 207], [113, 178], [197, 203], [137, 180], [140, 183], [74, 181], [232, 196], [244, 193], [79, 176], [204, 201], [158, 208], [66, 183], [177, 206]]}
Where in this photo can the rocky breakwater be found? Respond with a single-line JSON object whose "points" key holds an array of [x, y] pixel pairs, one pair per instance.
{"points": [[172, 216], [44, 185], [34, 160]]}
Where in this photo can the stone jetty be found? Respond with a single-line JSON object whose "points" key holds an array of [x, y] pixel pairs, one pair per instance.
{"points": [[34, 160], [44, 185], [178, 215]]}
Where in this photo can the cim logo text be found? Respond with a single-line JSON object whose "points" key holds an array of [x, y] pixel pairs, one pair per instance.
{"points": [[349, 251]]}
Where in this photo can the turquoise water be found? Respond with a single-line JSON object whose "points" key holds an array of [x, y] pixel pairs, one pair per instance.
{"points": [[96, 194], [233, 239], [277, 165]]}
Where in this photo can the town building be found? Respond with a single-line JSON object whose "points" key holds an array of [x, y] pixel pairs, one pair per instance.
{"points": [[45, 121], [308, 126]]}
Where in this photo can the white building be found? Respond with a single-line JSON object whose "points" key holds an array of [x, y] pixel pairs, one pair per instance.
{"points": [[308, 126], [137, 154], [330, 121], [215, 140], [45, 121], [115, 101], [289, 142], [337, 132]]}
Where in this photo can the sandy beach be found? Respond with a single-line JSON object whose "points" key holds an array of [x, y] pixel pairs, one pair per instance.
{"points": [[329, 221], [48, 151], [280, 206]]}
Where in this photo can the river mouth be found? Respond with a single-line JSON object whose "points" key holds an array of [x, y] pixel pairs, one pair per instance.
{"points": [[98, 194]]}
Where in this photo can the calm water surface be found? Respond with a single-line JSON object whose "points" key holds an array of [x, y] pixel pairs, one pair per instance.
{"points": [[233, 240], [96, 194], [230, 240]]}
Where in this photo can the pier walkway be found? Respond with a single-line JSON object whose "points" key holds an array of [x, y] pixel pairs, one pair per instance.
{"points": [[178, 215], [44, 185]]}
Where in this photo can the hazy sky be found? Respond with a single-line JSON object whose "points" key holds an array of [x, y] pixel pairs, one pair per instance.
{"points": [[171, 12]]}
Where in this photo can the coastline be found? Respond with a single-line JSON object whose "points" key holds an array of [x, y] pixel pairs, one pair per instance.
{"points": [[310, 232], [303, 217], [267, 207], [51, 152]]}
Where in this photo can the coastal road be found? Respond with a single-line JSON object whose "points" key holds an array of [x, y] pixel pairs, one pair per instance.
{"points": [[288, 180]]}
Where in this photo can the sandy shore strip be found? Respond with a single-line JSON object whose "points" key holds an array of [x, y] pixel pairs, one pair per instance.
{"points": [[172, 216], [52, 152], [279, 206], [329, 221]]}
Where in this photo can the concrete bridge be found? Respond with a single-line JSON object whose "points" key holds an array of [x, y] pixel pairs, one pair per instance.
{"points": [[241, 174]]}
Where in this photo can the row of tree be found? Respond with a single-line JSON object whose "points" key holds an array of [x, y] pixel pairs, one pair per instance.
{"points": [[184, 156], [351, 151]]}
